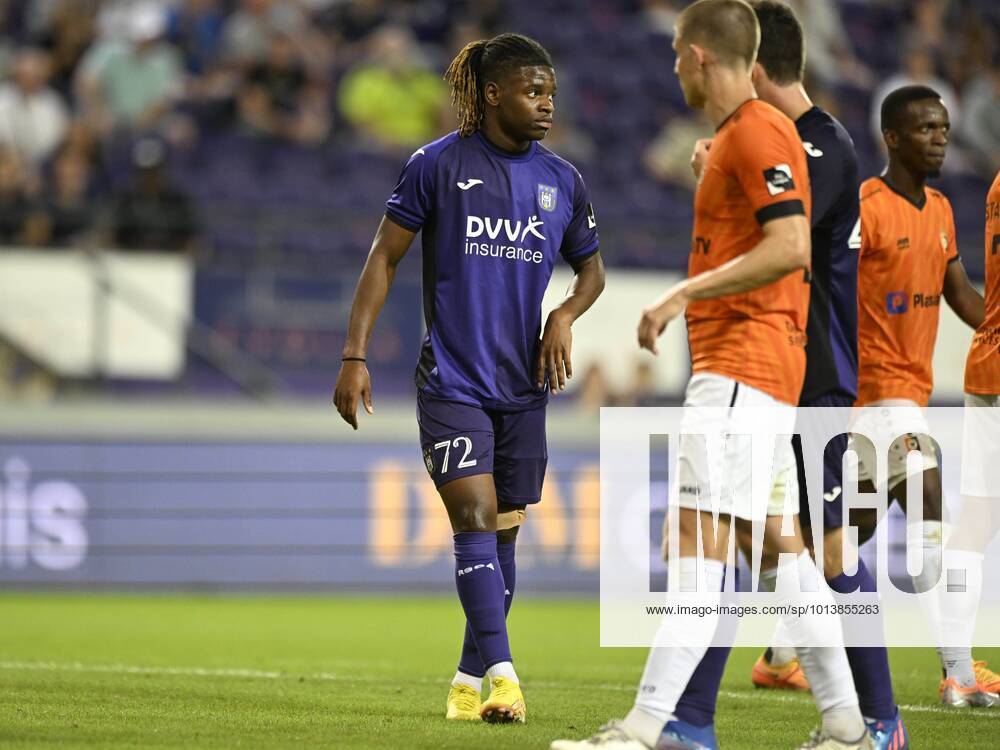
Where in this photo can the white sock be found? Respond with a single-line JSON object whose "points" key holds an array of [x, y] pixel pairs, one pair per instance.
{"points": [[926, 538], [957, 665], [669, 668], [645, 726], [461, 678], [689, 581], [782, 649], [959, 599], [502, 669], [715, 573], [825, 667]]}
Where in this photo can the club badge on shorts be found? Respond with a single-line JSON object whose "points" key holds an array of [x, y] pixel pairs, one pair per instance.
{"points": [[429, 460], [547, 197]]}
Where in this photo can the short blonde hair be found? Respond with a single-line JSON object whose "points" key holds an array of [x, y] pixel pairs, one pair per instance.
{"points": [[729, 28]]}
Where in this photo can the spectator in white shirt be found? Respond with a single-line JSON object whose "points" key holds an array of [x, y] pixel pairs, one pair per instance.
{"points": [[33, 116]]}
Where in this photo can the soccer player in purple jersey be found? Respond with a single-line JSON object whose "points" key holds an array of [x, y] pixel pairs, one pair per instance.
{"points": [[495, 209]]}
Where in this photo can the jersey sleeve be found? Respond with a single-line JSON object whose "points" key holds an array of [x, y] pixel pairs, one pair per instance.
{"points": [[580, 237], [951, 251], [769, 164], [412, 199], [868, 226]]}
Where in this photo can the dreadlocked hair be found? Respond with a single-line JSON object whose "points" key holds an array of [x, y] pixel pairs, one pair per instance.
{"points": [[486, 60]]}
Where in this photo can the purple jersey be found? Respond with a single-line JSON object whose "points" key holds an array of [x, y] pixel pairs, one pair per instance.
{"points": [[493, 223], [832, 328]]}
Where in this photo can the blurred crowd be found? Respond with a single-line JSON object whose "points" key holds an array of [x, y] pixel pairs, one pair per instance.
{"points": [[88, 82], [262, 136], [98, 94], [860, 50]]}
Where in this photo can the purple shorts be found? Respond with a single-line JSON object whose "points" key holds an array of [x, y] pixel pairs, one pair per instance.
{"points": [[459, 440]]}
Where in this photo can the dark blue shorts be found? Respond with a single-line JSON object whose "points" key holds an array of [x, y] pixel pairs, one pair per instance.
{"points": [[833, 458], [459, 440]]}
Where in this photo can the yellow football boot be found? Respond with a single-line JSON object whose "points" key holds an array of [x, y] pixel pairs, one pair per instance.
{"points": [[505, 704], [463, 704]]}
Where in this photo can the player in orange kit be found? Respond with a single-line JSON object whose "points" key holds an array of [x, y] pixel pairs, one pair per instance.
{"points": [[908, 261], [982, 368], [746, 301], [979, 519]]}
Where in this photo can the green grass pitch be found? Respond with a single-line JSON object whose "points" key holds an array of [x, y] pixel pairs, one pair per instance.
{"points": [[116, 671]]}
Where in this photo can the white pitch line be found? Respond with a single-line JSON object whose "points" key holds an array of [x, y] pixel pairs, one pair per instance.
{"points": [[904, 708], [75, 666], [259, 674]]}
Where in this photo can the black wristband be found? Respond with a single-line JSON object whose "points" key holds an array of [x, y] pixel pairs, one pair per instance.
{"points": [[352, 359]]}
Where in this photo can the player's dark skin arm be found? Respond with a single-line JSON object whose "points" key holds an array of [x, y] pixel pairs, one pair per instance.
{"points": [[962, 297], [353, 383], [554, 354]]}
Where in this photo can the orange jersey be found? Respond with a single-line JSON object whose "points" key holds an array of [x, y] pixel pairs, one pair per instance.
{"points": [[905, 251], [756, 171], [982, 368]]}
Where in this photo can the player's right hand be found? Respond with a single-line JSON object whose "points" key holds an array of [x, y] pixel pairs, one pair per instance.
{"points": [[353, 382], [655, 317], [651, 325], [700, 156]]}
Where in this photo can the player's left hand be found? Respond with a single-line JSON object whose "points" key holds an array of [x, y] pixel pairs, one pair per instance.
{"points": [[554, 353], [655, 318]]}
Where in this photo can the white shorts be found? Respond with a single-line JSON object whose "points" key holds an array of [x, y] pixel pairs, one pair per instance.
{"points": [[719, 466], [900, 421], [981, 446]]}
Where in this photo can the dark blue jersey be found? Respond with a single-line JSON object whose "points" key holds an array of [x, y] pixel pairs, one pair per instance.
{"points": [[832, 329], [493, 224]]}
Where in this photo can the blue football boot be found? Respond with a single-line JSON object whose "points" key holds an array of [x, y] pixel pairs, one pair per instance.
{"points": [[679, 735], [889, 734]]}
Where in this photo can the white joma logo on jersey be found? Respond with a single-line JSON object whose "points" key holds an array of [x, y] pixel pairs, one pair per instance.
{"points": [[471, 182], [811, 149], [515, 231]]}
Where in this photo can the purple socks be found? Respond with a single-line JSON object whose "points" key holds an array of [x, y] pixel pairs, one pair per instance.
{"points": [[870, 666], [480, 581], [697, 704], [471, 663]]}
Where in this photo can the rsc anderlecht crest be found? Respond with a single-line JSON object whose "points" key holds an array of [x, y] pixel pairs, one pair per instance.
{"points": [[547, 197]]}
